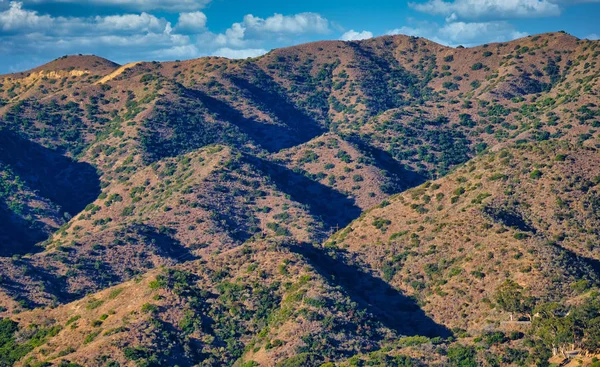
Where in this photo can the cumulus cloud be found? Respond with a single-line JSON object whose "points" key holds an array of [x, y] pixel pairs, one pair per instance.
{"points": [[184, 51], [489, 9], [232, 36], [143, 22], [353, 35], [473, 33], [278, 25], [15, 18], [462, 33], [298, 23], [593, 37], [192, 22], [240, 53]]}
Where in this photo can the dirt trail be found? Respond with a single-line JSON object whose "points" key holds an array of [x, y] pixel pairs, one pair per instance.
{"points": [[118, 72]]}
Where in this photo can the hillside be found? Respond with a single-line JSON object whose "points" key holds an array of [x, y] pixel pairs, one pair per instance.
{"points": [[390, 201]]}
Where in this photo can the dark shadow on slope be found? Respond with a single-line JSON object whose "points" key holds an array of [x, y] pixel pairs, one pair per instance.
{"points": [[21, 280], [334, 208], [576, 266], [94, 266], [64, 181], [271, 137], [67, 183], [508, 216], [520, 85], [400, 178], [101, 269], [18, 235], [301, 126], [235, 218], [164, 243], [395, 310], [53, 284], [18, 291], [180, 125]]}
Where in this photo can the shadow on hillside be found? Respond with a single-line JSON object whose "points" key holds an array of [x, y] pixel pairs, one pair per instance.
{"points": [[55, 285], [269, 136], [302, 127], [333, 207], [382, 79], [94, 266], [21, 279], [395, 310], [17, 290], [66, 182], [296, 128], [400, 179], [17, 235], [69, 184], [164, 243], [508, 216], [575, 265]]}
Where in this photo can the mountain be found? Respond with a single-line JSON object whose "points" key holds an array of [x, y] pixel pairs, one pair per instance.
{"points": [[386, 202]]}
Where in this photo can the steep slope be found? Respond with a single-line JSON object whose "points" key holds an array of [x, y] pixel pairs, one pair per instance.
{"points": [[172, 211], [260, 303], [506, 215]]}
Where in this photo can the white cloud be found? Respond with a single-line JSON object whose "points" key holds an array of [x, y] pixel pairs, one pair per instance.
{"points": [[143, 22], [489, 9], [15, 18], [298, 23], [593, 37], [461, 33], [239, 54], [353, 35], [192, 22], [419, 31], [27, 34], [278, 25], [186, 51], [473, 33], [139, 5], [233, 36]]}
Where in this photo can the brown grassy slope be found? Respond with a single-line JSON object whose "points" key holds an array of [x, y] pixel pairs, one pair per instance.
{"points": [[270, 300], [177, 209], [447, 248], [526, 213], [339, 164], [399, 133]]}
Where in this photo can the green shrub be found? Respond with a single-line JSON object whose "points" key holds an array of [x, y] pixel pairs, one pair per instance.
{"points": [[381, 223], [462, 356], [90, 337], [536, 174], [477, 66]]}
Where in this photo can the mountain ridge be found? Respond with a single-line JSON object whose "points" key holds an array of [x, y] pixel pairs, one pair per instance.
{"points": [[363, 184]]}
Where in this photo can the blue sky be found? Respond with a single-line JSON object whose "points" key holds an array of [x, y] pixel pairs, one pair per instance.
{"points": [[33, 32]]}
